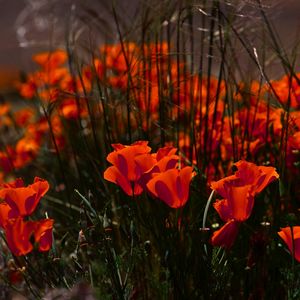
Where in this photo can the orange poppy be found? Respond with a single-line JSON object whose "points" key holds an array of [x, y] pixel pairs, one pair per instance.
{"points": [[23, 200], [238, 191], [258, 177], [172, 186], [291, 236], [50, 60], [17, 202], [125, 172], [159, 162]]}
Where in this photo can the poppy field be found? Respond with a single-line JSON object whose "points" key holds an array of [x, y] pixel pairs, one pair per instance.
{"points": [[157, 157]]}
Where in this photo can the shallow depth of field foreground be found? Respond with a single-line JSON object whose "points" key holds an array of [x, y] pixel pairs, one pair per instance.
{"points": [[151, 150]]}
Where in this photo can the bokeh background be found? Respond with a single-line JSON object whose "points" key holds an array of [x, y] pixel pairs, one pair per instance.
{"points": [[30, 26]]}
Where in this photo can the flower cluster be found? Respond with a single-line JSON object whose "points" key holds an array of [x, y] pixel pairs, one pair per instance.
{"points": [[238, 192], [149, 75], [135, 169], [18, 203]]}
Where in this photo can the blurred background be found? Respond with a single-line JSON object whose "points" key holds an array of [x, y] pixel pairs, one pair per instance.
{"points": [[30, 26]]}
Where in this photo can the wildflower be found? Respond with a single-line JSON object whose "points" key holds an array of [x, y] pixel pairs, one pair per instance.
{"points": [[50, 60], [19, 232], [172, 186], [125, 172], [23, 200], [18, 202], [159, 162], [238, 192], [291, 236], [258, 177]]}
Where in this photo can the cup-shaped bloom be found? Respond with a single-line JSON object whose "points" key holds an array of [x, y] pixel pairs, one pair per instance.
{"points": [[24, 200], [291, 236], [125, 171], [247, 173], [172, 186]]}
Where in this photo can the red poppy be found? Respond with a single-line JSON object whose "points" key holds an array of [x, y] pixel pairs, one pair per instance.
{"points": [[291, 236], [125, 171], [172, 186]]}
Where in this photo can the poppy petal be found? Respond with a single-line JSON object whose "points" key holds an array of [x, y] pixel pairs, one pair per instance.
{"points": [[226, 235]]}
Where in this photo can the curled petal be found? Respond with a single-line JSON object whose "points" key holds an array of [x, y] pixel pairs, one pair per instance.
{"points": [[257, 176], [224, 211], [288, 234], [165, 163], [240, 201], [226, 235], [18, 235], [165, 151], [5, 214], [269, 174], [43, 234], [219, 186]]}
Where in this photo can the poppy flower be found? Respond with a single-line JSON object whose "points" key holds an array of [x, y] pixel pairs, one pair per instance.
{"points": [[291, 236], [172, 186], [19, 201], [238, 191], [50, 60], [159, 162], [125, 172], [258, 177], [23, 200]]}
